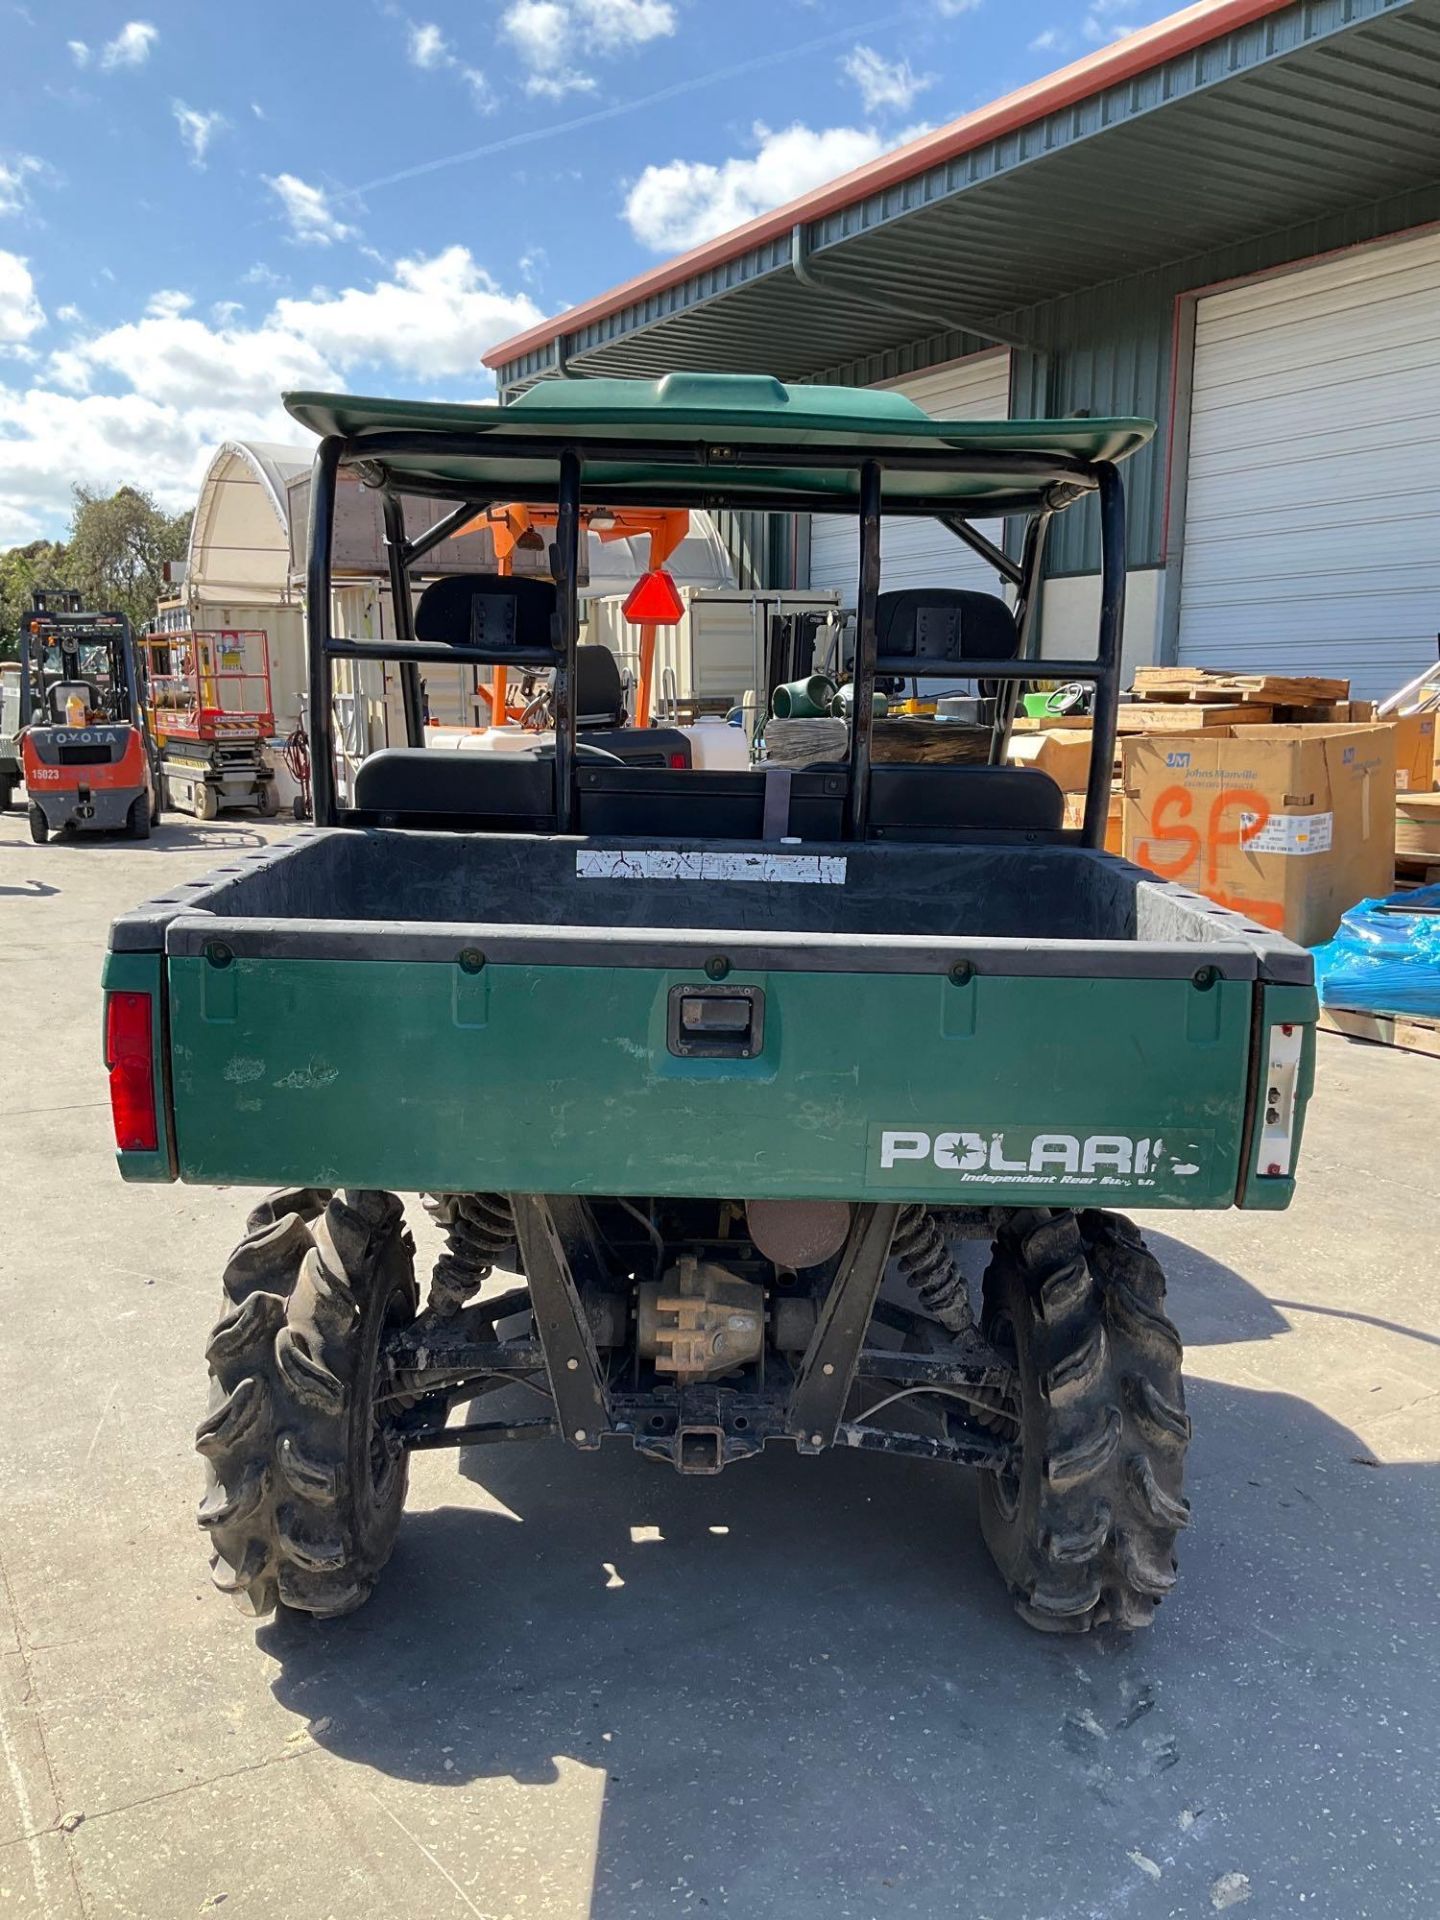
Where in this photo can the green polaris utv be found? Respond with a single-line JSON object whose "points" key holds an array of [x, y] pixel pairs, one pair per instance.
{"points": [[727, 1065]]}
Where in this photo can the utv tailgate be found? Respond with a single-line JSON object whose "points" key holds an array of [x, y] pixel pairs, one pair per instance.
{"points": [[753, 1059]]}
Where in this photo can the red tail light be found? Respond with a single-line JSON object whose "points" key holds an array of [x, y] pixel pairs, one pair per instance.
{"points": [[679, 759], [129, 1054]]}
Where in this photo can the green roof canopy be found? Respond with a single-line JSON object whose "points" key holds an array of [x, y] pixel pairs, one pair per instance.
{"points": [[693, 439]]}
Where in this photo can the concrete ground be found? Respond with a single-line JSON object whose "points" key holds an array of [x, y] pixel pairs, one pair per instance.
{"points": [[588, 1687]]}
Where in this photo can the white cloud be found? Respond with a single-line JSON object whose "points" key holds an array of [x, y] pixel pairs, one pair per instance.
{"points": [[552, 37], [149, 400], [50, 440], [174, 359], [313, 221], [434, 317], [197, 129], [556, 82], [1106, 20], [16, 173], [428, 49], [613, 25], [884, 84], [79, 52], [688, 201], [169, 301], [130, 47], [952, 9], [428, 46], [1052, 40], [21, 313]]}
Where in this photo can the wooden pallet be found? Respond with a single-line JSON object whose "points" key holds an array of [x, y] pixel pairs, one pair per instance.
{"points": [[1135, 718], [1420, 869], [1417, 826], [1406, 1031], [1181, 684]]}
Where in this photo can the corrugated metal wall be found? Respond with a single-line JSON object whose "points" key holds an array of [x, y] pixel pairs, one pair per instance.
{"points": [[1110, 350], [762, 547]]}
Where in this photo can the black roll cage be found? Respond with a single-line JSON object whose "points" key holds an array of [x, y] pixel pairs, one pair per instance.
{"points": [[1056, 481]]}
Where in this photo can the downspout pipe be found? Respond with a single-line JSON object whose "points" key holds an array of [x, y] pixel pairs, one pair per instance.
{"points": [[802, 266]]}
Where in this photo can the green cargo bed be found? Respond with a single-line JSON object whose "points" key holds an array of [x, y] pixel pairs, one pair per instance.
{"points": [[466, 1012]]}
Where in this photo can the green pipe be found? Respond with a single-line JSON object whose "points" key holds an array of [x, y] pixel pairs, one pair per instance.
{"points": [[807, 699]]}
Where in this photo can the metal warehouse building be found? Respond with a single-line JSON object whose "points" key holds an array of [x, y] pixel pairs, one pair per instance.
{"points": [[1229, 222]]}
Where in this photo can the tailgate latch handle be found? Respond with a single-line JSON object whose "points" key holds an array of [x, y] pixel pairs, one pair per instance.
{"points": [[716, 1023]]}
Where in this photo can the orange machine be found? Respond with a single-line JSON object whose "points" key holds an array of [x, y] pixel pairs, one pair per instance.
{"points": [[88, 762], [515, 526]]}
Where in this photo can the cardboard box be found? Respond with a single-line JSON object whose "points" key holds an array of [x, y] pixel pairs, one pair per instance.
{"points": [[1114, 819], [1287, 825], [1063, 753], [1414, 752]]}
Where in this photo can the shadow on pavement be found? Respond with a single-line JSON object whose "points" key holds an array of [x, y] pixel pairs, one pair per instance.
{"points": [[802, 1693]]}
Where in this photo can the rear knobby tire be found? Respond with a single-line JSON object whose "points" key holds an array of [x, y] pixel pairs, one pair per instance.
{"points": [[39, 825], [1083, 1528], [304, 1486], [137, 821]]}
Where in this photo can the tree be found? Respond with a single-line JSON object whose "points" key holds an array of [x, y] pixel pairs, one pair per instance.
{"points": [[117, 548], [22, 569]]}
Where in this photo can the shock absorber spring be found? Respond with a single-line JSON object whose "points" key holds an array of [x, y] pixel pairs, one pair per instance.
{"points": [[479, 1230], [926, 1263]]}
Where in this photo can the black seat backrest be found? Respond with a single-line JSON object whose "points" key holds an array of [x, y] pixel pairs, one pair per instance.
{"points": [[501, 792], [599, 690], [944, 802], [510, 621], [924, 632], [666, 803]]}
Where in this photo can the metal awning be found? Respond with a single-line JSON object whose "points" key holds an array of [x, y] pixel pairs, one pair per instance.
{"points": [[1283, 118]]}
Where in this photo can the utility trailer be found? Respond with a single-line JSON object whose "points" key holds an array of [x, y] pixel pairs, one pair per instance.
{"points": [[726, 1066]]}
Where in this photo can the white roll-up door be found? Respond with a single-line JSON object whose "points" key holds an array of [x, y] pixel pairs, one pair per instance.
{"points": [[1312, 513], [918, 553]]}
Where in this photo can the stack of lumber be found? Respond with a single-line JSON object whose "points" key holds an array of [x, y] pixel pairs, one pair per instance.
{"points": [[1417, 838], [1230, 699], [808, 743]]}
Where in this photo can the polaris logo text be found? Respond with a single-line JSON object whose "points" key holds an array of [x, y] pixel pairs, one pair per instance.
{"points": [[1038, 1157]]}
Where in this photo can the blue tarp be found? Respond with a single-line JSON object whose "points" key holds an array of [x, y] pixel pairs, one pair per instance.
{"points": [[1385, 957]]}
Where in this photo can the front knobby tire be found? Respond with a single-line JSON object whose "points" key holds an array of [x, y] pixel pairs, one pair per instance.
{"points": [[137, 823], [304, 1482], [1083, 1528]]}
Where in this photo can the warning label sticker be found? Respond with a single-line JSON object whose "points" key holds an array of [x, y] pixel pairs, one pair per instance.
{"points": [[1288, 833]]}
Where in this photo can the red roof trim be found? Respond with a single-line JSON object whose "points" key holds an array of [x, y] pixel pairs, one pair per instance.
{"points": [[1178, 33]]}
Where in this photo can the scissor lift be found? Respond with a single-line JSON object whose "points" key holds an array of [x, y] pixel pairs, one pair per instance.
{"points": [[211, 711]]}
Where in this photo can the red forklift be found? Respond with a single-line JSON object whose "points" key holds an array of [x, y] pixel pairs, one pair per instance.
{"points": [[88, 761]]}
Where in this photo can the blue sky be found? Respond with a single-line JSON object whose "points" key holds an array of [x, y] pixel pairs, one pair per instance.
{"points": [[201, 204]]}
